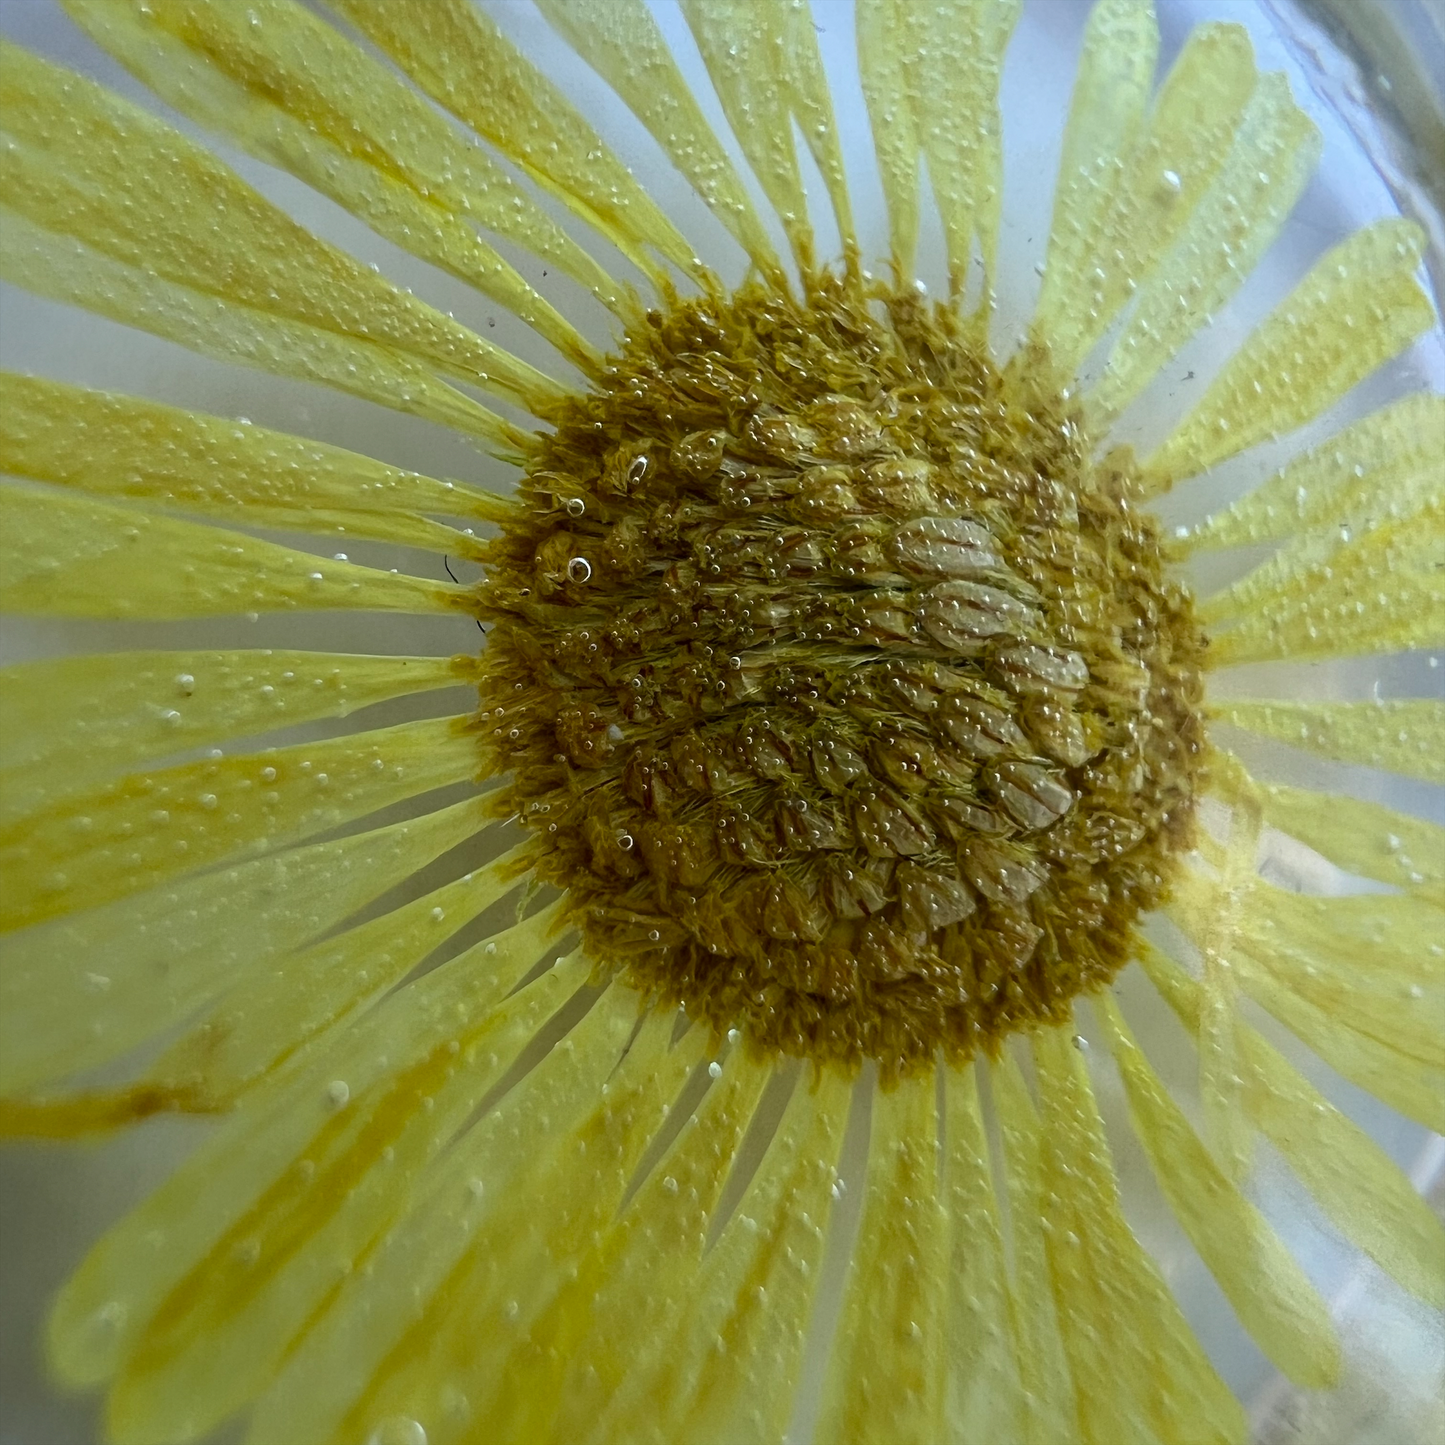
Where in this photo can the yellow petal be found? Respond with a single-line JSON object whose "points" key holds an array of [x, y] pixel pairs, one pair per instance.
{"points": [[1106, 114], [1414, 1089], [1269, 1291], [759, 1284], [1402, 736], [1357, 1184], [882, 44], [635, 1286], [1140, 1373], [1364, 958], [76, 556], [1381, 467], [67, 722], [93, 847], [1358, 306], [622, 43], [268, 1260], [87, 989], [459, 57], [982, 1395], [476, 1257], [82, 163], [1049, 1407], [886, 1370], [124, 447], [1275, 150], [1161, 182], [65, 269], [272, 1012], [291, 91]]}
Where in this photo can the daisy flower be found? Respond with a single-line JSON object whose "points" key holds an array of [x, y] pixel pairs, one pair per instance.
{"points": [[699, 1007]]}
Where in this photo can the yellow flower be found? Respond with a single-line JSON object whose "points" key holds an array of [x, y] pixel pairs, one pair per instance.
{"points": [[840, 721]]}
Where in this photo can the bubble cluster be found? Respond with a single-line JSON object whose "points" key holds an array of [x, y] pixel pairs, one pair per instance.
{"points": [[873, 724]]}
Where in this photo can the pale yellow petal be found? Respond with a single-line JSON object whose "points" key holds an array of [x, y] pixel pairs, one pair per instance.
{"points": [[622, 43], [271, 1012], [80, 991], [224, 1265], [126, 447], [897, 142], [1106, 115], [930, 79], [1049, 1414], [1270, 1293], [982, 1399], [1403, 736], [1140, 1373], [1381, 467], [1405, 1084], [293, 92], [462, 60], [89, 848], [1357, 1184], [757, 1288], [476, 1256], [76, 556], [1364, 838], [82, 163], [1275, 150], [67, 722], [1324, 596], [1163, 179], [1359, 305], [1365, 957], [65, 269], [886, 1371], [632, 1289]]}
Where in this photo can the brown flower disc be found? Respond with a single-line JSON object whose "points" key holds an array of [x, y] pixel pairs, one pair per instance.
{"points": [[847, 692]]}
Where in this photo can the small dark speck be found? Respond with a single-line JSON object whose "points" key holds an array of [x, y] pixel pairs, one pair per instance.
{"points": [[491, 320], [544, 273], [1188, 376]]}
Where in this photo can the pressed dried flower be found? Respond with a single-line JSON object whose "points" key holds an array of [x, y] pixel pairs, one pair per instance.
{"points": [[840, 721]]}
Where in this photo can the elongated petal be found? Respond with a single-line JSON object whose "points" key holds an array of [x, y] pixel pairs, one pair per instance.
{"points": [[463, 61], [125, 184], [1050, 1408], [758, 1285], [1328, 597], [1106, 115], [65, 269], [1382, 467], [125, 447], [1359, 305], [75, 556], [82, 990], [241, 1229], [897, 143], [1138, 1369], [1405, 1084], [1275, 150], [625, 1303], [273, 1011], [1364, 838], [90, 848], [982, 1398], [886, 1371], [291, 91], [67, 722], [1182, 148], [476, 1253], [1361, 957], [622, 43], [1270, 1292], [1403, 736], [1356, 1183]]}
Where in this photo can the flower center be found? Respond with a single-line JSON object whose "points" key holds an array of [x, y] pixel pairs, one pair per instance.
{"points": [[848, 694]]}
